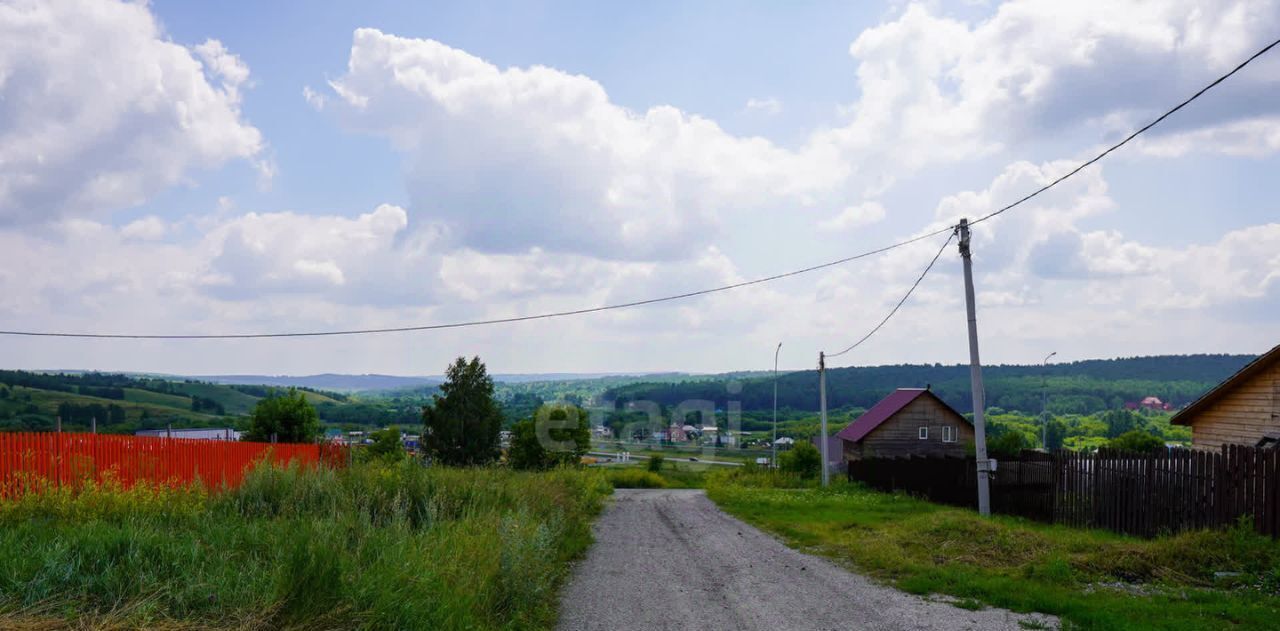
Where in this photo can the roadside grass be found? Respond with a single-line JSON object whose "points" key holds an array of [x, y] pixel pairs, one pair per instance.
{"points": [[673, 475], [635, 478], [372, 547], [1091, 579]]}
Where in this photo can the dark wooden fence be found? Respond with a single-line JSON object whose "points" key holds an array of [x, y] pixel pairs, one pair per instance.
{"points": [[1139, 494]]}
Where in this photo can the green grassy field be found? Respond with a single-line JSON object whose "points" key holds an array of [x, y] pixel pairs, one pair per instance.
{"points": [[1092, 579], [232, 400], [135, 395], [47, 401], [373, 547], [316, 398]]}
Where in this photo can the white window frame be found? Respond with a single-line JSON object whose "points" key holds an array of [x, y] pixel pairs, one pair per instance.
{"points": [[949, 433], [923, 433]]}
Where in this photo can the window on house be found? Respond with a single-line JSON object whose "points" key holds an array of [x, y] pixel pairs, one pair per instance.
{"points": [[924, 433], [948, 434]]}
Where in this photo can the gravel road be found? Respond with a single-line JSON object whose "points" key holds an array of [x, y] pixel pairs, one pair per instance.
{"points": [[670, 559]]}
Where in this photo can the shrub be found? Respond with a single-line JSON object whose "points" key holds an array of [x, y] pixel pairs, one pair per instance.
{"points": [[655, 463], [386, 446], [1136, 440], [1008, 445], [803, 460]]}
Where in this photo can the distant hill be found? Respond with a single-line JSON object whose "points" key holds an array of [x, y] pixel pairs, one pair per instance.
{"points": [[118, 402], [374, 382], [1074, 387], [326, 381]]}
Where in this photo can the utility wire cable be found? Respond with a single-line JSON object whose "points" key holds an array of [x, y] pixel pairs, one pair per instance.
{"points": [[1157, 121], [900, 302], [637, 303], [456, 325], [1055, 182]]}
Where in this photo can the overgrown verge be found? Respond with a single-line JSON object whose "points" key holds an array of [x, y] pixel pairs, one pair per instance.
{"points": [[670, 476], [1091, 579], [382, 547]]}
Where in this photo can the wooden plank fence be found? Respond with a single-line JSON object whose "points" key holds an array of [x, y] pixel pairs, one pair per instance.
{"points": [[37, 460], [1163, 492]]}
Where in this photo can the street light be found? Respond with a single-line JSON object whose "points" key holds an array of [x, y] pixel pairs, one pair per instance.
{"points": [[1044, 400], [773, 445]]}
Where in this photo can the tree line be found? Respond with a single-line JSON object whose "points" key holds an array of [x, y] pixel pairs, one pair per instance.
{"points": [[1083, 387]]}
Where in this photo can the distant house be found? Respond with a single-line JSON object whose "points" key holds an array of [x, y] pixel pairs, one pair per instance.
{"points": [[1243, 410], [910, 421], [210, 433], [1148, 403]]}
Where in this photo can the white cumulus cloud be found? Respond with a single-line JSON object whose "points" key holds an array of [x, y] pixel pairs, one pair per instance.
{"points": [[535, 157], [855, 216], [99, 110]]}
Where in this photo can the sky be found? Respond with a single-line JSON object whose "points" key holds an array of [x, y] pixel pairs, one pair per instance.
{"points": [[245, 167]]}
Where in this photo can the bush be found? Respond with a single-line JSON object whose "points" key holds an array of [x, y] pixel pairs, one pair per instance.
{"points": [[1136, 440], [386, 446], [636, 479], [655, 463], [1008, 445], [803, 460]]}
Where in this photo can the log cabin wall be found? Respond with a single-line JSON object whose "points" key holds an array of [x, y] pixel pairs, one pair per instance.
{"points": [[1241, 415], [899, 435]]}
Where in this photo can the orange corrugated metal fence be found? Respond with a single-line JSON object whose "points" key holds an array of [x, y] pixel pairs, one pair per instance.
{"points": [[32, 460]]}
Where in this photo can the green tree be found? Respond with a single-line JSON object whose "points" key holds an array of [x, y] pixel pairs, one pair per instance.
{"points": [[461, 427], [1136, 440], [386, 446], [1120, 422], [803, 459], [1008, 445], [557, 434], [288, 416], [655, 463], [525, 451], [1055, 434]]}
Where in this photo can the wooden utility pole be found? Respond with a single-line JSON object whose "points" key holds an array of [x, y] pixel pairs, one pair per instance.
{"points": [[822, 394], [975, 378]]}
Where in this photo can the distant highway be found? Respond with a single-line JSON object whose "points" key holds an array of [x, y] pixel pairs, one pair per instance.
{"points": [[615, 456]]}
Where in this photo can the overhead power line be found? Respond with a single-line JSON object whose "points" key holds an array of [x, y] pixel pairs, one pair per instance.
{"points": [[1055, 182], [470, 323], [900, 302], [1135, 134], [692, 294]]}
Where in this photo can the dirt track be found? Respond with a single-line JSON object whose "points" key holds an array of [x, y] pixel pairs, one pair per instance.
{"points": [[670, 559]]}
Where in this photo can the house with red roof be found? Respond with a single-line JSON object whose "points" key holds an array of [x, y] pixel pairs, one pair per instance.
{"points": [[908, 422]]}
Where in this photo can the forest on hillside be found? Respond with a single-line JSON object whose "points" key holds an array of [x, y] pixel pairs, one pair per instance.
{"points": [[1082, 387]]}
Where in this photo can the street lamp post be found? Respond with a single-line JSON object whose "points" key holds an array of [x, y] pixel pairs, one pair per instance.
{"points": [[1044, 400], [773, 445]]}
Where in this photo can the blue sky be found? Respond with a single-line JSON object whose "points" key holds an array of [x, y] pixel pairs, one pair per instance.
{"points": [[250, 167]]}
